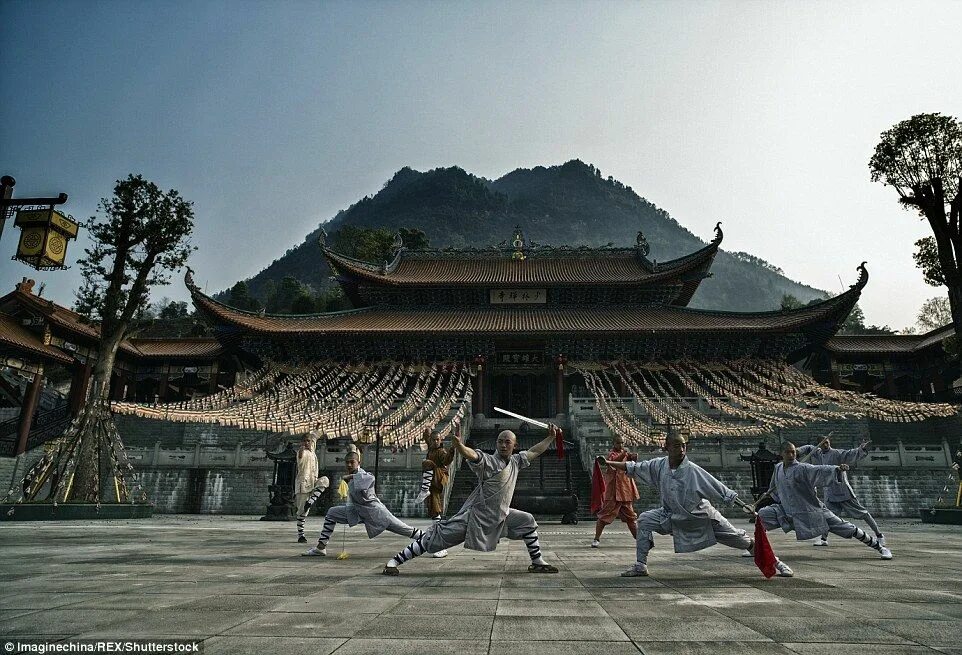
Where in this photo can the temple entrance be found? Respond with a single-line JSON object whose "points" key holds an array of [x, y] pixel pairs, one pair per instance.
{"points": [[524, 393]]}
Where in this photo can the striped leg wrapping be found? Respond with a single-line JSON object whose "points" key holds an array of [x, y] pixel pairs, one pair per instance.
{"points": [[533, 545], [302, 512], [414, 549], [326, 533], [866, 539], [426, 478]]}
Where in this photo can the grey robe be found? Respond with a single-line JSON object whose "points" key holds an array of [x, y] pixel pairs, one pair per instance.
{"points": [[837, 491], [364, 507], [485, 511], [797, 507], [685, 495]]}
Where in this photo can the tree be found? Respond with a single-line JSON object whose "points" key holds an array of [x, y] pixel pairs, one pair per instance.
{"points": [[414, 239], [934, 313], [142, 236], [239, 296], [921, 158], [173, 311]]}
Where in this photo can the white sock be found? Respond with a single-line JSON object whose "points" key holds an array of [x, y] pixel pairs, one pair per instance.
{"points": [[539, 561], [392, 563]]}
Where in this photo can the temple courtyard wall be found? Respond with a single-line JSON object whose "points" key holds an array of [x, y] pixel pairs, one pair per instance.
{"points": [[190, 468]]}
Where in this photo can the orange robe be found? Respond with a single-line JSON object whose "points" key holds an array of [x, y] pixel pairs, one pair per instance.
{"points": [[620, 491], [437, 459]]}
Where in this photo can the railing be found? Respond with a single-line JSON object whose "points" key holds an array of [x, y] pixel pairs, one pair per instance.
{"points": [[48, 425]]}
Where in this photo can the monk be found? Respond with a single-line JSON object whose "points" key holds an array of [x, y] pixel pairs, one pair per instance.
{"points": [[620, 493]]}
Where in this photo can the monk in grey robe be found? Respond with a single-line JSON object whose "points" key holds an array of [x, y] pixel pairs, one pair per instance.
{"points": [[838, 496], [363, 506], [486, 515], [797, 507], [687, 491]]}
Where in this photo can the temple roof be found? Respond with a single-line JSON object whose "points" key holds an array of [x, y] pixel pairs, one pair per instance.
{"points": [[823, 318], [75, 325], [888, 343], [539, 265], [187, 347], [18, 338]]}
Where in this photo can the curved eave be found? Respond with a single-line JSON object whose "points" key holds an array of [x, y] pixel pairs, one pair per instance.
{"points": [[817, 322], [689, 270]]}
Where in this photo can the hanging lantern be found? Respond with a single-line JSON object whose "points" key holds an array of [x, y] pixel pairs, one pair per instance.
{"points": [[43, 238]]}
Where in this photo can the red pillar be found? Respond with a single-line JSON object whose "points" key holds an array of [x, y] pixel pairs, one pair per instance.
{"points": [[27, 409], [560, 400], [478, 401]]}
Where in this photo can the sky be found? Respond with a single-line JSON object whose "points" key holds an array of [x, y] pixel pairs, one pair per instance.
{"points": [[272, 116]]}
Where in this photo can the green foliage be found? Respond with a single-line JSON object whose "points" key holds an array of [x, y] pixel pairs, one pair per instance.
{"points": [[927, 258], [143, 235], [239, 297], [934, 313], [921, 158], [366, 244], [756, 261]]}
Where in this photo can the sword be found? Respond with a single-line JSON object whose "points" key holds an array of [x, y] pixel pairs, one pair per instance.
{"points": [[523, 418]]}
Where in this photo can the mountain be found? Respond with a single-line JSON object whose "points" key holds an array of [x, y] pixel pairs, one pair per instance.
{"points": [[567, 204]]}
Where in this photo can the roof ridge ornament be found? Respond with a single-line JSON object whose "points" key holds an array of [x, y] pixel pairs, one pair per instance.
{"points": [[518, 244], [641, 244], [719, 235]]}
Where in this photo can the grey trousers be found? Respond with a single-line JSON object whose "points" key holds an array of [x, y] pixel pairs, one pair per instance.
{"points": [[836, 525], [338, 514], [451, 532], [654, 520]]}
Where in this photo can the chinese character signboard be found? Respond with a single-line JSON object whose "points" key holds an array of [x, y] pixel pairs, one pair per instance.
{"points": [[533, 359], [518, 296]]}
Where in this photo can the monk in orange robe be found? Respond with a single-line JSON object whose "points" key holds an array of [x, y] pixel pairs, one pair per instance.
{"points": [[620, 493]]}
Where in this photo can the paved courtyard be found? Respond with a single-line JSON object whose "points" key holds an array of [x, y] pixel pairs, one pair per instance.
{"points": [[241, 585]]}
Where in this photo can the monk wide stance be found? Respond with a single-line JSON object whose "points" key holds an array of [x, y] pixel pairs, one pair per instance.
{"points": [[486, 516], [798, 508], [363, 506], [686, 512]]}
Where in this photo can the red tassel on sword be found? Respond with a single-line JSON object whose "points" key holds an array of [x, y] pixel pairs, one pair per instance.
{"points": [[559, 444], [764, 555]]}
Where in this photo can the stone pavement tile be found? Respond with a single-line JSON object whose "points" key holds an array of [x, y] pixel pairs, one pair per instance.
{"points": [[644, 594], [696, 628], [712, 648], [136, 601], [260, 645], [298, 624], [951, 610], [836, 648], [879, 609], [62, 621], [556, 628], [613, 580], [350, 590], [392, 646], [460, 607], [359, 604], [546, 593], [461, 579], [474, 593], [427, 626], [528, 607], [9, 614], [231, 603], [946, 633], [562, 648], [43, 600], [843, 629], [630, 610], [175, 622], [789, 609]]}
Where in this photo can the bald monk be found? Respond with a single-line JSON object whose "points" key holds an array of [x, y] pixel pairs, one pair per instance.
{"points": [[486, 515]]}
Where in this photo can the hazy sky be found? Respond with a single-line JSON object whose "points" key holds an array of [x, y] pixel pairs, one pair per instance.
{"points": [[272, 116]]}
